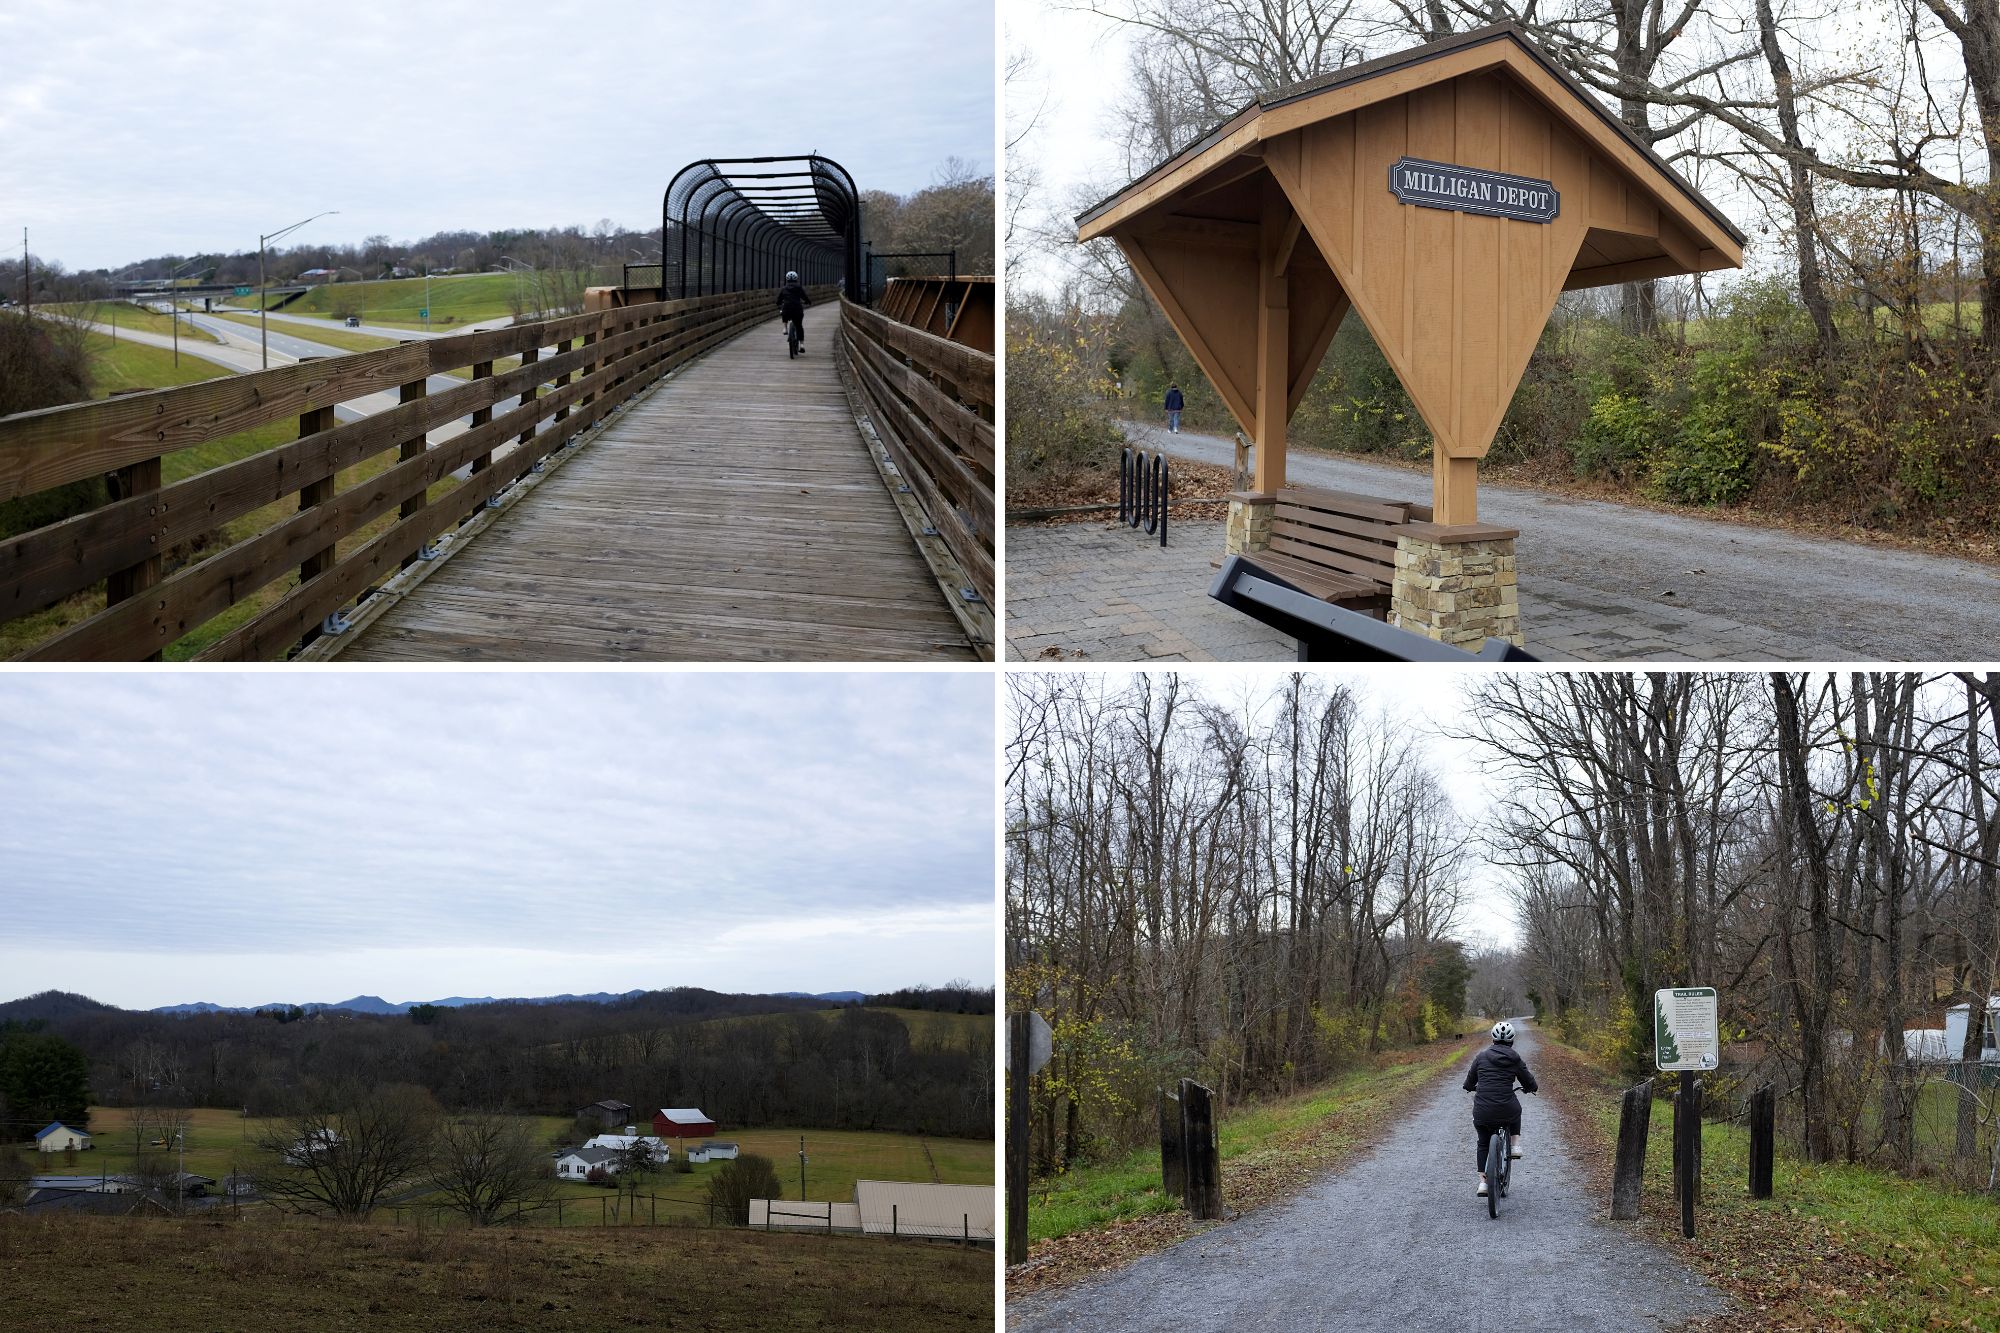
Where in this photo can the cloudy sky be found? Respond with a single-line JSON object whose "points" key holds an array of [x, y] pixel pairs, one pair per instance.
{"points": [[254, 837], [134, 128]]}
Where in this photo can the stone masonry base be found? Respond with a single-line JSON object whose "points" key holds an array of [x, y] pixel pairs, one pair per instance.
{"points": [[1249, 527], [1456, 584]]}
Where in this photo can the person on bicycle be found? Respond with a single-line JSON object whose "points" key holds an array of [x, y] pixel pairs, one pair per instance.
{"points": [[792, 303], [1491, 1079]]}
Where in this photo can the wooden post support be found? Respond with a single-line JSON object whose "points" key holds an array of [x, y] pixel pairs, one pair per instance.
{"points": [[311, 495], [413, 447], [1273, 401], [482, 370], [1204, 1163], [1687, 1148], [589, 370], [1763, 1116], [1173, 1152], [528, 358], [1454, 489], [1017, 1138], [140, 478], [1635, 1118], [563, 378]]}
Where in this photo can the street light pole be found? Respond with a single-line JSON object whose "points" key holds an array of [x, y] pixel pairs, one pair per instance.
{"points": [[263, 293]]}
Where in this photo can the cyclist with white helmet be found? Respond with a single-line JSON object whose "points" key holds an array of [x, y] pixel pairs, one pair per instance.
{"points": [[1491, 1079], [792, 303]]}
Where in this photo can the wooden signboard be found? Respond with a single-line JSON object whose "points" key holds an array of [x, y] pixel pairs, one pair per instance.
{"points": [[1507, 183]]}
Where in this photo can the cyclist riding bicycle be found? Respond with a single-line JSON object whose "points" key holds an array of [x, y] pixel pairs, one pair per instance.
{"points": [[1494, 1106], [792, 303]]}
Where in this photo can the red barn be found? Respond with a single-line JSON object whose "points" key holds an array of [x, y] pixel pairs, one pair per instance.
{"points": [[685, 1122]]}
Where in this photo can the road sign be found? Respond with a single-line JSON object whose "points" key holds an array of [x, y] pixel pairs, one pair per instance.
{"points": [[1684, 1029], [425, 313], [1041, 1044], [242, 291]]}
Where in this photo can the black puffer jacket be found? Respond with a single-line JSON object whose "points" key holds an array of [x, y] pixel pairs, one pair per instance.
{"points": [[1492, 1077], [792, 300]]}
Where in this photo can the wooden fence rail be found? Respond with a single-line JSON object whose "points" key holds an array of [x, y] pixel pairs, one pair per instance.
{"points": [[931, 401], [574, 371]]}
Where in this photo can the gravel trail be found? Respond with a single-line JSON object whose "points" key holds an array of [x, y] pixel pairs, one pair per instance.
{"points": [[1398, 1241], [1833, 599]]}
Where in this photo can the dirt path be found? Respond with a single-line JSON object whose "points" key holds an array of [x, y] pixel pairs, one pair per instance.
{"points": [[1399, 1241], [1818, 597]]}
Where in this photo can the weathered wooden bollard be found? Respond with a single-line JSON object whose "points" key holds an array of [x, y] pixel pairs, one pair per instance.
{"points": [[1173, 1156], [1200, 1149], [1635, 1118], [1763, 1115], [1687, 1149]]}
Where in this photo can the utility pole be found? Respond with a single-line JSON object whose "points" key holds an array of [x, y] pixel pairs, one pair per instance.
{"points": [[263, 295], [802, 1168], [27, 277]]}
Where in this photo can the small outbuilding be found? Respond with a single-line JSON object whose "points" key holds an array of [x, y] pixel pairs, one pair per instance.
{"points": [[1955, 1019], [609, 1114], [58, 1137]]}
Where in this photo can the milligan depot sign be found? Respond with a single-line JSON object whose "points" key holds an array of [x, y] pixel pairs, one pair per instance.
{"points": [[1472, 190]]}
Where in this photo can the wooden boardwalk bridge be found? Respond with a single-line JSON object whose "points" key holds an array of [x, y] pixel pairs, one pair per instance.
{"points": [[651, 479], [734, 513]]}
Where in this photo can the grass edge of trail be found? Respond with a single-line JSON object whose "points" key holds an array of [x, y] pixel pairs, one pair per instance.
{"points": [[1270, 1150], [1836, 1247]]}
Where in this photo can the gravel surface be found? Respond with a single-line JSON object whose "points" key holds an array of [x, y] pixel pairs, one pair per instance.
{"points": [[1399, 1241], [1846, 600]]}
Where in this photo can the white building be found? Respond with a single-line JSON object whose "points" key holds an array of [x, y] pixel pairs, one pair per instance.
{"points": [[661, 1150], [578, 1163], [912, 1208], [58, 1137], [713, 1152], [1955, 1019]]}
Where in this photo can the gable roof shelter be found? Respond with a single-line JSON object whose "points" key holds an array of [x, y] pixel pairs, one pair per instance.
{"points": [[1447, 194]]}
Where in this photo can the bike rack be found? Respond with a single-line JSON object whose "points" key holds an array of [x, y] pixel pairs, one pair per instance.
{"points": [[1142, 491], [1329, 633]]}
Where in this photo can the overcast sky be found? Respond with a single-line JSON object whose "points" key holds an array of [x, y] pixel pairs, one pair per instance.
{"points": [[134, 128], [1420, 699], [1080, 70], [256, 837]]}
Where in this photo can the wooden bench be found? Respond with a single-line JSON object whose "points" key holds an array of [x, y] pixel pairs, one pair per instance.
{"points": [[1338, 546]]}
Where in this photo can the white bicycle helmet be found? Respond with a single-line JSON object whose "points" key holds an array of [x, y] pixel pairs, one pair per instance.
{"points": [[791, 277], [1503, 1032]]}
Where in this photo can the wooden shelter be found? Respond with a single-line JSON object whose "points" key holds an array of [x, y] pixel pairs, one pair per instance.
{"points": [[1448, 194]]}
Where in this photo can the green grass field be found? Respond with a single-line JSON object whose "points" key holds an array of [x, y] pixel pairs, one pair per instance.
{"points": [[221, 1142], [461, 299], [121, 366]]}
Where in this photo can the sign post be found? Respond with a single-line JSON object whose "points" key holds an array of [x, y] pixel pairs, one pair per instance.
{"points": [[1686, 1038], [1030, 1043]]}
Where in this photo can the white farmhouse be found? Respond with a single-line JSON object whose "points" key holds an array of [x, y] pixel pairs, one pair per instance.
{"points": [[58, 1137], [577, 1163], [659, 1150]]}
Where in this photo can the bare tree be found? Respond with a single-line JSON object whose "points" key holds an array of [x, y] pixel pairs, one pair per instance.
{"points": [[346, 1162], [483, 1166]]}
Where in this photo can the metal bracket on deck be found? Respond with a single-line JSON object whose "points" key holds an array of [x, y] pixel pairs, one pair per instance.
{"points": [[969, 594], [930, 530], [428, 551], [335, 623], [493, 500]]}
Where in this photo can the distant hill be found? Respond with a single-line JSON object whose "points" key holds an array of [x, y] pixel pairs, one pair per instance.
{"points": [[375, 1004], [831, 996], [49, 1004]]}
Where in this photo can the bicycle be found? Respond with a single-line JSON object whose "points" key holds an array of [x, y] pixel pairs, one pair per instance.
{"points": [[794, 335], [1498, 1168]]}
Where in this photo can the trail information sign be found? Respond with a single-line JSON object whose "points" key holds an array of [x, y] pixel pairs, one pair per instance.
{"points": [[1684, 1029], [1473, 190]]}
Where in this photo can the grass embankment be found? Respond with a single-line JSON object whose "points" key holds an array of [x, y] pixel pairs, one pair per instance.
{"points": [[346, 340], [125, 315], [463, 298], [1103, 1215], [1836, 1247], [164, 1275], [120, 367]]}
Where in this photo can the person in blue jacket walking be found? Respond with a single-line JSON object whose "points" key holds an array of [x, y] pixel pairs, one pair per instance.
{"points": [[1174, 404]]}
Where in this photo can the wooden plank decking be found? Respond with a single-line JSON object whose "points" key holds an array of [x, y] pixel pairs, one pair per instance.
{"points": [[732, 516]]}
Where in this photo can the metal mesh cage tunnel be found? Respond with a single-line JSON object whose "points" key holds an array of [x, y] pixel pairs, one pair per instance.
{"points": [[741, 223]]}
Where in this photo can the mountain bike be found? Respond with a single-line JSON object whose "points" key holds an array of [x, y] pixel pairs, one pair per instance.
{"points": [[1498, 1168], [794, 335]]}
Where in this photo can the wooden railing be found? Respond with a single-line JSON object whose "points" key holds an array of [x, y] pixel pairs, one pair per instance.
{"points": [[931, 402], [152, 546]]}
